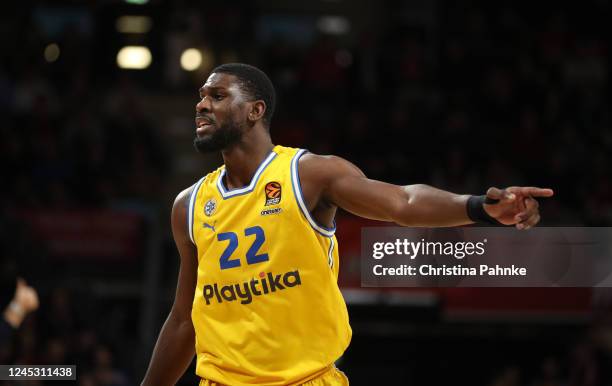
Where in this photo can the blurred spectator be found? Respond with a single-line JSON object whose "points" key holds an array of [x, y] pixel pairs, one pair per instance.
{"points": [[104, 373], [24, 302]]}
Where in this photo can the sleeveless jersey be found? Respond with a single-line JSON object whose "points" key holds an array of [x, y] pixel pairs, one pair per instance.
{"points": [[267, 308]]}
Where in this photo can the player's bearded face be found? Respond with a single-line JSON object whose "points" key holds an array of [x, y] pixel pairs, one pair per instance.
{"points": [[223, 136]]}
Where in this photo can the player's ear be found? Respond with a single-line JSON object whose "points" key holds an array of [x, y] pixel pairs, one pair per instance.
{"points": [[257, 111]]}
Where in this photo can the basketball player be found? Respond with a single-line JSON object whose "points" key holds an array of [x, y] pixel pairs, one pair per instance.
{"points": [[257, 294]]}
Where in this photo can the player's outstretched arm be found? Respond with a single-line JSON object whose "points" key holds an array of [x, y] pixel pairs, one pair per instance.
{"points": [[340, 183], [175, 345]]}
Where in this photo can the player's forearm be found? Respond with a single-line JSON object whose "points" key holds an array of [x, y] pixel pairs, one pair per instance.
{"points": [[427, 206], [172, 354]]}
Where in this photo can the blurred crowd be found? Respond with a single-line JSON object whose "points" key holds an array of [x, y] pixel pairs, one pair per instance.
{"points": [[497, 94], [479, 95]]}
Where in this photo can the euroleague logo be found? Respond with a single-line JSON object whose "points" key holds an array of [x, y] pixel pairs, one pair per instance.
{"points": [[273, 193]]}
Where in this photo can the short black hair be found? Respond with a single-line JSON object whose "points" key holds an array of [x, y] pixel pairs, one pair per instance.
{"points": [[254, 82]]}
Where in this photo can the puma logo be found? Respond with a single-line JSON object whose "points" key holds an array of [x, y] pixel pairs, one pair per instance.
{"points": [[206, 225]]}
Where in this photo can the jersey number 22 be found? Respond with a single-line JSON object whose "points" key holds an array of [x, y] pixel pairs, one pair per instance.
{"points": [[252, 256]]}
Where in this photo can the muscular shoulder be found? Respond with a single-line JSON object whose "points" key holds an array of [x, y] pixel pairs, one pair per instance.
{"points": [[319, 172], [182, 199], [322, 168], [179, 213]]}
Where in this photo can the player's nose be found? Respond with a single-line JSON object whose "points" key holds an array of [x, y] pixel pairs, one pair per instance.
{"points": [[203, 105]]}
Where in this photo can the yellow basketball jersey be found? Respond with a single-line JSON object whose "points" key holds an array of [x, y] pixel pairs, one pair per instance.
{"points": [[267, 308]]}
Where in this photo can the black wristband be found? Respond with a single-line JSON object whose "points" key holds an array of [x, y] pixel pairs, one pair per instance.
{"points": [[476, 212]]}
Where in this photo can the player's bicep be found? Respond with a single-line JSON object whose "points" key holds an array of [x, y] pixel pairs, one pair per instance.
{"points": [[346, 186], [367, 198], [187, 277]]}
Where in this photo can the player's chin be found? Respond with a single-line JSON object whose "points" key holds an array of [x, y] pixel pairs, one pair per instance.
{"points": [[208, 144]]}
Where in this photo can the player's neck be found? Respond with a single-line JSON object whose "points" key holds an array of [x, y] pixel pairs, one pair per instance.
{"points": [[243, 159]]}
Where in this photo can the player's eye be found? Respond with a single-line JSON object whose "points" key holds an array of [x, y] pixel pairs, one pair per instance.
{"points": [[218, 97]]}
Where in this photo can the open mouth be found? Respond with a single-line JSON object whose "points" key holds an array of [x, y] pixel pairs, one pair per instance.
{"points": [[203, 124]]}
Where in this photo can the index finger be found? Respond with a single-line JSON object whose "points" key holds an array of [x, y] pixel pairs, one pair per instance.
{"points": [[532, 191]]}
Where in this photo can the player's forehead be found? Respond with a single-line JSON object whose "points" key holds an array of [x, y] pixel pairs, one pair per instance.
{"points": [[219, 80]]}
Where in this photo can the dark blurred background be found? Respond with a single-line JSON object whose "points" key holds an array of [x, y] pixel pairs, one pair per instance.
{"points": [[460, 95]]}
